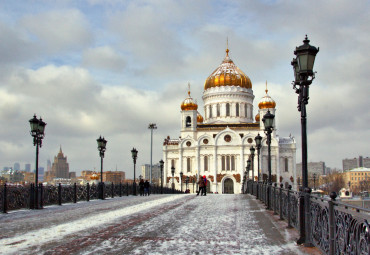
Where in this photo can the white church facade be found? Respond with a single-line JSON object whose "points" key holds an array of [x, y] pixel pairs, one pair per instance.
{"points": [[218, 145]]}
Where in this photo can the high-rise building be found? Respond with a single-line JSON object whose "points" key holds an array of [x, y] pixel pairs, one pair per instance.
{"points": [[156, 172], [27, 167], [317, 168], [59, 168], [349, 164], [17, 166], [48, 165]]}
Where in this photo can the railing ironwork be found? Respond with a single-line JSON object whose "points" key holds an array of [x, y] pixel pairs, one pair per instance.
{"points": [[334, 227]]}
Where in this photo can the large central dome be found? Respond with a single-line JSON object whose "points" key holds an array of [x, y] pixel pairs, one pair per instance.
{"points": [[228, 74]]}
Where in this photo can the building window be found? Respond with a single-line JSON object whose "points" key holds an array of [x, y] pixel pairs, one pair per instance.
{"points": [[188, 164], [210, 111], [286, 165], [227, 163], [218, 110], [188, 121], [232, 163], [172, 163], [237, 109], [205, 163], [223, 163], [246, 110], [227, 109]]}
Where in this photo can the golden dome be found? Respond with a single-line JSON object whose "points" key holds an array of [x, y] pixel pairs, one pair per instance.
{"points": [[199, 118], [94, 177], [257, 118], [189, 104], [228, 74], [266, 101]]}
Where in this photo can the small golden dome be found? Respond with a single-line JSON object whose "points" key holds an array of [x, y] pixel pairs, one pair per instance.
{"points": [[266, 101], [189, 104], [257, 118], [94, 177], [199, 118], [228, 74]]}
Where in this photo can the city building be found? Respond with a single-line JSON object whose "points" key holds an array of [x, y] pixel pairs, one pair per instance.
{"points": [[27, 167], [156, 172], [358, 179], [12, 176], [113, 176], [349, 164], [29, 177], [218, 144], [317, 168], [59, 168], [17, 166]]}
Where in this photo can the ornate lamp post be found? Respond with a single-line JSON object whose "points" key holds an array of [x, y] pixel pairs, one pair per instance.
{"points": [[151, 126], [161, 163], [258, 140], [102, 143], [268, 120], [181, 174], [252, 150], [304, 75], [314, 181], [134, 157], [38, 133], [173, 178]]}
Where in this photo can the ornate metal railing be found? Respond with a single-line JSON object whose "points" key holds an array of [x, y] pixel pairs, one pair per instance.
{"points": [[23, 196], [333, 227]]}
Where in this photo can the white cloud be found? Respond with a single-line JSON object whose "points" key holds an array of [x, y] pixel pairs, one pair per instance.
{"points": [[105, 58]]}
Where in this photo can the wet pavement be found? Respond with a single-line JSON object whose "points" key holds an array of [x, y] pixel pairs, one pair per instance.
{"points": [[158, 224]]}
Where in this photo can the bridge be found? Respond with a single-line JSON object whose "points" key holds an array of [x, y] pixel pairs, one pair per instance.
{"points": [[156, 224]]}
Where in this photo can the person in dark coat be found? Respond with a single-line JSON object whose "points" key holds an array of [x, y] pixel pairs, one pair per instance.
{"points": [[204, 186], [141, 187], [146, 188], [201, 186]]}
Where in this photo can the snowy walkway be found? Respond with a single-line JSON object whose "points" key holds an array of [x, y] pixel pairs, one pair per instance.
{"points": [[159, 224]]}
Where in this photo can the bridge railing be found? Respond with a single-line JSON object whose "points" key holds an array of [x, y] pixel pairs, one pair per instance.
{"points": [[333, 227], [14, 197]]}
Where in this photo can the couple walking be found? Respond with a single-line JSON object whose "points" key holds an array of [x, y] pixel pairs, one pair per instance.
{"points": [[144, 187], [202, 186]]}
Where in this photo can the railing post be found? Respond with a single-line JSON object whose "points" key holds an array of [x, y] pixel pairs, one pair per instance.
{"points": [[307, 202], [120, 189], [59, 194], [275, 200], [289, 207], [41, 196], [333, 195], [281, 201], [75, 193], [112, 190], [127, 188], [88, 192], [5, 204], [302, 232]]}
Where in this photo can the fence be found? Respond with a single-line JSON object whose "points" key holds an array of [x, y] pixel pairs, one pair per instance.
{"points": [[18, 197], [332, 226]]}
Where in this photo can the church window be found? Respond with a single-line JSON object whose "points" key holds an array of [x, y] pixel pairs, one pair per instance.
{"points": [[227, 109], [188, 121], [210, 111], [172, 163], [218, 110], [205, 141], [250, 140], [205, 163], [286, 165], [227, 138], [188, 143], [188, 164], [246, 110], [237, 109], [223, 163], [232, 163], [227, 163]]}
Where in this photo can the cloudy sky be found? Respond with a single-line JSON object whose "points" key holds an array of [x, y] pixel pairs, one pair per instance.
{"points": [[111, 67]]}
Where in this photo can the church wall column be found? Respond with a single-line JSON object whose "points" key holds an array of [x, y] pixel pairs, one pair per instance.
{"points": [[198, 160], [167, 167], [216, 165], [242, 164]]}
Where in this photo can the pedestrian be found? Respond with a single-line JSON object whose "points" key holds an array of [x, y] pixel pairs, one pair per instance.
{"points": [[204, 186], [146, 188], [200, 186], [141, 187]]}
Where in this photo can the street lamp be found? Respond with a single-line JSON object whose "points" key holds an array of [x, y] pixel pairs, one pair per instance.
{"points": [[186, 181], [193, 179], [252, 150], [173, 178], [303, 74], [161, 163], [151, 126], [258, 140], [268, 120], [38, 133], [181, 174], [134, 157], [102, 143], [314, 181]]}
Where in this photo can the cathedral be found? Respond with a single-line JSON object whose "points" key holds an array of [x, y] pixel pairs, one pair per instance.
{"points": [[218, 144]]}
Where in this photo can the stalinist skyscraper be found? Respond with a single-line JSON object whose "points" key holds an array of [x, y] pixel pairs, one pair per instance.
{"points": [[60, 167]]}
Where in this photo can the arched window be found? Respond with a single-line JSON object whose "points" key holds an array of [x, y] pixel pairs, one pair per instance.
{"points": [[237, 110], [227, 109], [246, 110], [172, 163], [205, 163], [188, 164], [188, 121], [286, 165], [218, 110], [223, 163], [232, 163], [210, 111]]}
